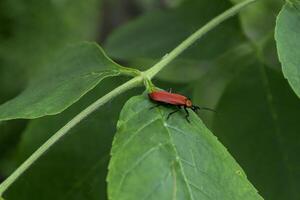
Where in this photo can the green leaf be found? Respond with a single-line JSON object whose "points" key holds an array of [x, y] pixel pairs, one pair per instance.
{"points": [[288, 44], [259, 123], [153, 35], [79, 69], [74, 168], [153, 158]]}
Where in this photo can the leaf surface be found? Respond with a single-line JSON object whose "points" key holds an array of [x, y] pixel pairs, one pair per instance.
{"points": [[153, 158], [288, 44], [78, 70]]}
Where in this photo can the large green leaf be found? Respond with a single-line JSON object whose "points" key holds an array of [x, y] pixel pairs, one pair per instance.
{"points": [[79, 69], [288, 44], [74, 168], [259, 123], [153, 158]]}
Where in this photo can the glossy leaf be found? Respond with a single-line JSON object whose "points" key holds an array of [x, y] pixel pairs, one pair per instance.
{"points": [[288, 44], [79, 69], [259, 123], [153, 158], [74, 168]]}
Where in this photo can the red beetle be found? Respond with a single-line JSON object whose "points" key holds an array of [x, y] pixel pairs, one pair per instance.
{"points": [[180, 101]]}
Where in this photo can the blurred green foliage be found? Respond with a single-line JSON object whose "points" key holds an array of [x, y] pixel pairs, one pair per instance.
{"points": [[234, 69]]}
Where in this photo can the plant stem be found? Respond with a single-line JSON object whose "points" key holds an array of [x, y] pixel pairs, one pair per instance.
{"points": [[149, 74], [64, 130], [195, 36]]}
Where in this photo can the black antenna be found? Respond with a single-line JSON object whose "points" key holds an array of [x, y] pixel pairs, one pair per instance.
{"points": [[195, 108]]}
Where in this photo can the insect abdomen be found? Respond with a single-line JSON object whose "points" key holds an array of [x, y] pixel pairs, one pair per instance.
{"points": [[169, 98]]}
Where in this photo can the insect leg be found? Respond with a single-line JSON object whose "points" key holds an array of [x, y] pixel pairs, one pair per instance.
{"points": [[171, 113], [187, 114]]}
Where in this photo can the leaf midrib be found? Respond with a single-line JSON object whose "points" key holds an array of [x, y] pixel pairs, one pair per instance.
{"points": [[178, 160]]}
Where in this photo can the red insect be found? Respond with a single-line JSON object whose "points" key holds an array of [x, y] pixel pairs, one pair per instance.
{"points": [[180, 101]]}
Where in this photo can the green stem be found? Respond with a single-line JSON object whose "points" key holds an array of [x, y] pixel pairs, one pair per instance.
{"points": [[195, 36], [64, 130], [144, 76]]}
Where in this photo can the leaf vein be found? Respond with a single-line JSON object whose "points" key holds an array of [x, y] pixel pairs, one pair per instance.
{"points": [[137, 163], [135, 133]]}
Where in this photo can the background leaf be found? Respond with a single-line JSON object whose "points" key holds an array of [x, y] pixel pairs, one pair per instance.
{"points": [[32, 30], [79, 69], [288, 44], [258, 24], [148, 38], [30, 38], [258, 122], [258, 20], [150, 158], [208, 90]]}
